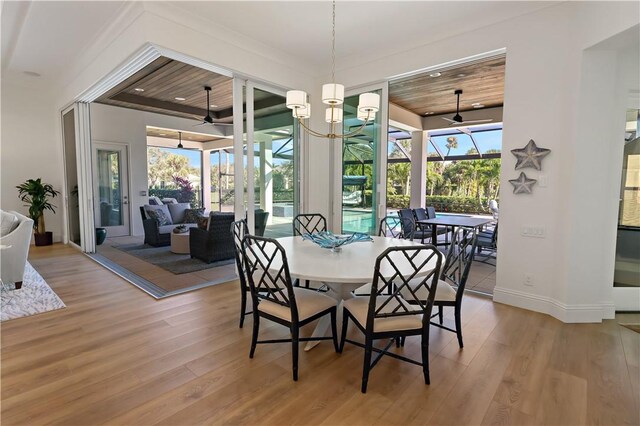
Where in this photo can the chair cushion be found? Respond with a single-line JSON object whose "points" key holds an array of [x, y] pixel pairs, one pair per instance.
{"points": [[160, 213], [359, 308], [8, 222], [154, 201], [169, 201], [309, 303], [192, 215], [444, 291], [177, 211]]}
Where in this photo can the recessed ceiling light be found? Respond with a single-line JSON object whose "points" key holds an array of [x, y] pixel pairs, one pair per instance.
{"points": [[428, 113], [139, 89], [213, 106], [477, 105], [462, 75], [178, 98], [435, 74], [32, 74], [163, 134]]}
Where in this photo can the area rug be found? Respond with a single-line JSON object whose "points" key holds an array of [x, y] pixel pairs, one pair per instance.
{"points": [[35, 297], [174, 263]]}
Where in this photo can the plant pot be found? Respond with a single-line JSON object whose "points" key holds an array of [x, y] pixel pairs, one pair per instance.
{"points": [[45, 239], [101, 235]]}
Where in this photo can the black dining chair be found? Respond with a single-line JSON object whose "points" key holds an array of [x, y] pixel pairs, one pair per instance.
{"points": [[386, 314], [238, 231], [453, 279], [407, 215], [275, 298], [396, 227], [309, 223]]}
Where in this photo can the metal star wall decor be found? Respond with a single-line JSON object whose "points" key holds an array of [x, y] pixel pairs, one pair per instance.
{"points": [[530, 156], [522, 185]]}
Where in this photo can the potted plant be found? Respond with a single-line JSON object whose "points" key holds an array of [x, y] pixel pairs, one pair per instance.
{"points": [[36, 194]]}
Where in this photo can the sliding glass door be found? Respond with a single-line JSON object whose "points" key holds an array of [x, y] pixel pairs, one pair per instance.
{"points": [[270, 161], [363, 166]]}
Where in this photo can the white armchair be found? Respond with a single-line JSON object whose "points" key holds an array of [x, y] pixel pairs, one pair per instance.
{"points": [[15, 238]]}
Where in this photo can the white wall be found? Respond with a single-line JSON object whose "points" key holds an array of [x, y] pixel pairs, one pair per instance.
{"points": [[545, 58], [29, 149]]}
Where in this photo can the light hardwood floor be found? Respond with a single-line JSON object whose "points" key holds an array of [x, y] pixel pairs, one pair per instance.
{"points": [[117, 356]]}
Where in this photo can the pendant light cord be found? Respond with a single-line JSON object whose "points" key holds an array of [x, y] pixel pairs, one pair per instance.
{"points": [[333, 45]]}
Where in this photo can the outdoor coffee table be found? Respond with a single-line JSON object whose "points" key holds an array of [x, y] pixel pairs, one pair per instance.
{"points": [[180, 243], [454, 221]]}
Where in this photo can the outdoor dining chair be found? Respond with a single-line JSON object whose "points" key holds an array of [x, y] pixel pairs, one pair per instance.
{"points": [[275, 298], [387, 313]]}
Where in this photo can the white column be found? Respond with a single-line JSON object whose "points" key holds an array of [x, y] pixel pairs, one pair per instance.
{"points": [[418, 169], [206, 179], [266, 178]]}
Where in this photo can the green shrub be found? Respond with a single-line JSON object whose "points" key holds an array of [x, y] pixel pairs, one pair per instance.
{"points": [[443, 204]]}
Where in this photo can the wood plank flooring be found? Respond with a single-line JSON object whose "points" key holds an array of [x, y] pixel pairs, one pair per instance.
{"points": [[117, 356]]}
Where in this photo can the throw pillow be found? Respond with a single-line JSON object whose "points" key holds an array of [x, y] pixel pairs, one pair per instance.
{"points": [[203, 222], [160, 213], [177, 211], [192, 215], [160, 216]]}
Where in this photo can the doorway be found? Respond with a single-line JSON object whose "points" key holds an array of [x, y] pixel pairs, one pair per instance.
{"points": [[111, 186]]}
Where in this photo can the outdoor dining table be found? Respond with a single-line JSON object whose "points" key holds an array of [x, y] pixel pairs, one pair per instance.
{"points": [[342, 271], [453, 221]]}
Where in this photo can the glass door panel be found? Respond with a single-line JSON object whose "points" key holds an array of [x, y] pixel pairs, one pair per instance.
{"points": [[71, 177], [111, 183], [359, 171], [274, 164], [626, 279]]}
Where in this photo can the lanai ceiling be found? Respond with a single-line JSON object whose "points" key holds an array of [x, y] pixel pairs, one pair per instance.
{"points": [[482, 82], [174, 88]]}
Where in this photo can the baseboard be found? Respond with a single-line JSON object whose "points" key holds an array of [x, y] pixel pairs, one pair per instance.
{"points": [[547, 305]]}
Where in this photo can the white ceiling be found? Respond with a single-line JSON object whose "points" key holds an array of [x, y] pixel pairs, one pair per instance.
{"points": [[45, 37], [365, 30]]}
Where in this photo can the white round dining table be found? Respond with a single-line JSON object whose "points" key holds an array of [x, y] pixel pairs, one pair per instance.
{"points": [[343, 271]]}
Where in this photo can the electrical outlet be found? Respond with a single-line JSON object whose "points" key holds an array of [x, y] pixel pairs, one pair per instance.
{"points": [[528, 280]]}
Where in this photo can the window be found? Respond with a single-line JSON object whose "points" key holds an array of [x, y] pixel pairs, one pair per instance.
{"points": [[175, 173]]}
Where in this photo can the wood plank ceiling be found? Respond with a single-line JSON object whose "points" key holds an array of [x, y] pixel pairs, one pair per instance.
{"points": [[156, 87], [482, 82]]}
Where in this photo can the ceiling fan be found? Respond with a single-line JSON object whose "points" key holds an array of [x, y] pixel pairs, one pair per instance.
{"points": [[457, 119], [208, 119]]}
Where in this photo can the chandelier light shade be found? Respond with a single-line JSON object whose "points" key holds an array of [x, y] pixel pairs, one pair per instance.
{"points": [[369, 102], [302, 112], [333, 95], [296, 99], [333, 115]]}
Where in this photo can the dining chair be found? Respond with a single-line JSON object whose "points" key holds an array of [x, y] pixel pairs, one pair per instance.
{"points": [[309, 223], [238, 231], [456, 269], [488, 241], [386, 314], [396, 227], [275, 298], [408, 216]]}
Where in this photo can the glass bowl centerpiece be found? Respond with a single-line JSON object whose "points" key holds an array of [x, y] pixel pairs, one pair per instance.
{"points": [[329, 240]]}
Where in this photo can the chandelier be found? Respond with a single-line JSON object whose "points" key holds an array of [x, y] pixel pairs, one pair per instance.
{"points": [[333, 96]]}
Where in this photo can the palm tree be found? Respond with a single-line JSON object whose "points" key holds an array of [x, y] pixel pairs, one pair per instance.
{"points": [[452, 142]]}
